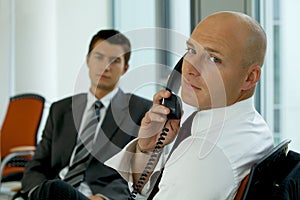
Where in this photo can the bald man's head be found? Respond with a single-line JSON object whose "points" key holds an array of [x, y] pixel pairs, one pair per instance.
{"points": [[236, 45], [244, 30]]}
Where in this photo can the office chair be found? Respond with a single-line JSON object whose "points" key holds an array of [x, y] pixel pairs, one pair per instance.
{"points": [[276, 176], [242, 188], [289, 187], [19, 134], [247, 190]]}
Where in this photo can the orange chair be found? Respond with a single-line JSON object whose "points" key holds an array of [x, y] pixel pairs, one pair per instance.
{"points": [[19, 134], [242, 188]]}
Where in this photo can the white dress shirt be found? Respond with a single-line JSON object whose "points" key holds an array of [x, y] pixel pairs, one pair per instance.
{"points": [[211, 163]]}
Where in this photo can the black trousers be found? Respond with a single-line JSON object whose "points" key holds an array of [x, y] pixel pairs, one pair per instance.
{"points": [[56, 190]]}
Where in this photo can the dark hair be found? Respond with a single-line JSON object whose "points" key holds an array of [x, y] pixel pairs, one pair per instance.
{"points": [[113, 37]]}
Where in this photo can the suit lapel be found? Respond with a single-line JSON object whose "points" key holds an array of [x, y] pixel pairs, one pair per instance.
{"points": [[115, 114], [111, 128], [71, 119], [77, 108]]}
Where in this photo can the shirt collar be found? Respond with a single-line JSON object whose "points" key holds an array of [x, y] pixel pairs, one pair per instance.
{"points": [[215, 118], [104, 100]]}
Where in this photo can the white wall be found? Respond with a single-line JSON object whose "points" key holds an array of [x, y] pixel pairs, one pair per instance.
{"points": [[5, 41], [35, 46], [180, 26], [44, 43], [140, 21], [290, 72], [76, 22], [133, 18]]}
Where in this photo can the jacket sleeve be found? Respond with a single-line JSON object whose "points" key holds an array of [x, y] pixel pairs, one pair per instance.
{"points": [[36, 169]]}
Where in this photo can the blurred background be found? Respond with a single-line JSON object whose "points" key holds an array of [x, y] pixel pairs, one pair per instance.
{"points": [[44, 44]]}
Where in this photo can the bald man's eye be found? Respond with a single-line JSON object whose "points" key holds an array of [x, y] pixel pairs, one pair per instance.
{"points": [[191, 51], [215, 59]]}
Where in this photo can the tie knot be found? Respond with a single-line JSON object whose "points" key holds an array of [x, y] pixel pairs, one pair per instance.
{"points": [[98, 106]]}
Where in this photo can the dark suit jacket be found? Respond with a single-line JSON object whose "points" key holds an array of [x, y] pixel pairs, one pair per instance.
{"points": [[54, 151]]}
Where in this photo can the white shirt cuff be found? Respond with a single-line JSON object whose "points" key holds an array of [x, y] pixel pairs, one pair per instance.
{"points": [[122, 163]]}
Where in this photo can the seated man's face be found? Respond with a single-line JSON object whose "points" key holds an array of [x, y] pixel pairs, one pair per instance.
{"points": [[106, 65], [212, 74]]}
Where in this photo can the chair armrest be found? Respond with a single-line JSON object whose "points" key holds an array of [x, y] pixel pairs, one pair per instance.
{"points": [[11, 156], [16, 189], [22, 148]]}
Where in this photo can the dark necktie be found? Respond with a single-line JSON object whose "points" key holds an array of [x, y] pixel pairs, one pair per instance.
{"points": [[75, 174], [184, 132]]}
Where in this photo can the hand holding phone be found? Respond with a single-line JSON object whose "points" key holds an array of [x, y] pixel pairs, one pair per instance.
{"points": [[155, 121], [170, 129]]}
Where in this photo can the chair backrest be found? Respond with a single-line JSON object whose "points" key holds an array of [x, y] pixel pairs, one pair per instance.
{"points": [[266, 173], [21, 123], [242, 187], [289, 187]]}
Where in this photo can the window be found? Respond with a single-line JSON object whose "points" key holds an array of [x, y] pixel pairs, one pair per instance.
{"points": [[158, 33], [268, 94]]}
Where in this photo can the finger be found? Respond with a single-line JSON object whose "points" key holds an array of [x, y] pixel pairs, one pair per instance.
{"points": [[158, 113], [157, 98], [160, 110], [175, 125]]}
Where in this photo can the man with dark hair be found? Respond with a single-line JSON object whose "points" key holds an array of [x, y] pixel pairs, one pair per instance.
{"points": [[84, 130]]}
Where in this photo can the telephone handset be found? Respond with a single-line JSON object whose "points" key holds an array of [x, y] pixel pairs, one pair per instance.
{"points": [[174, 104], [174, 101]]}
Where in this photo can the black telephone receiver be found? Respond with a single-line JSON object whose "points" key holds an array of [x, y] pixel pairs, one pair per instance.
{"points": [[173, 85], [174, 104]]}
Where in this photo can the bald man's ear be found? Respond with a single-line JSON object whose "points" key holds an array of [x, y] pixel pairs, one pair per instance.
{"points": [[252, 77]]}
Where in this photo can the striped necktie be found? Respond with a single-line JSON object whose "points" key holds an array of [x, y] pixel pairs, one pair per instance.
{"points": [[75, 174]]}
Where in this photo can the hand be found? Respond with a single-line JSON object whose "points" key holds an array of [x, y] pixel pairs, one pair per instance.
{"points": [[96, 197], [154, 121]]}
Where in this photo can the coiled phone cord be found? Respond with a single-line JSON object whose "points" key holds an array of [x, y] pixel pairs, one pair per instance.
{"points": [[154, 156]]}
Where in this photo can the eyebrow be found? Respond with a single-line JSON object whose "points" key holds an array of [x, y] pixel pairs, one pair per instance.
{"points": [[208, 49], [110, 57], [213, 51], [98, 53], [189, 43]]}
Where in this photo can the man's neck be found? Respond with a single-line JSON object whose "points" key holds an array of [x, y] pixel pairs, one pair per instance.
{"points": [[99, 93]]}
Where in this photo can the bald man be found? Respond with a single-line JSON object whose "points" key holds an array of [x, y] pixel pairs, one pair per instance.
{"points": [[220, 71]]}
